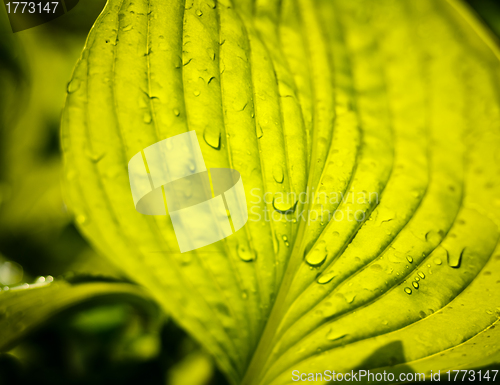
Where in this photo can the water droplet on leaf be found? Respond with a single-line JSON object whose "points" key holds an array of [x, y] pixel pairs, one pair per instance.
{"points": [[211, 135], [244, 253], [278, 173], [283, 204], [325, 278], [73, 85], [334, 335], [81, 219], [260, 132], [211, 53], [317, 255], [455, 258]]}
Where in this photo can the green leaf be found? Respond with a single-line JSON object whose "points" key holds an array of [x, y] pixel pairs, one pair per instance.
{"points": [[24, 308], [384, 115]]}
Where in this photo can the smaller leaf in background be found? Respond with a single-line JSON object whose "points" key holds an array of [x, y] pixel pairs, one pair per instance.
{"points": [[25, 307], [107, 342]]}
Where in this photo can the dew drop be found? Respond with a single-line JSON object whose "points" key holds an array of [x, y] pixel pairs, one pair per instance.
{"points": [[211, 53], [176, 112], [283, 204], [196, 93], [415, 285], [212, 137], [178, 62], [325, 278], [433, 237], [349, 298], [438, 261], [244, 253], [276, 245], [315, 258], [334, 335], [394, 257], [147, 118], [278, 173], [455, 259], [260, 132], [186, 259], [199, 12], [317, 255], [94, 156], [407, 290], [409, 258], [421, 274], [81, 219]]}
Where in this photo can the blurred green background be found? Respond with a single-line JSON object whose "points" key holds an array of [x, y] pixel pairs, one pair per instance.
{"points": [[97, 342]]}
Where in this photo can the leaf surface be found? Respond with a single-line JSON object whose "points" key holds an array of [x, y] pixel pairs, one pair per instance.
{"points": [[384, 115]]}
